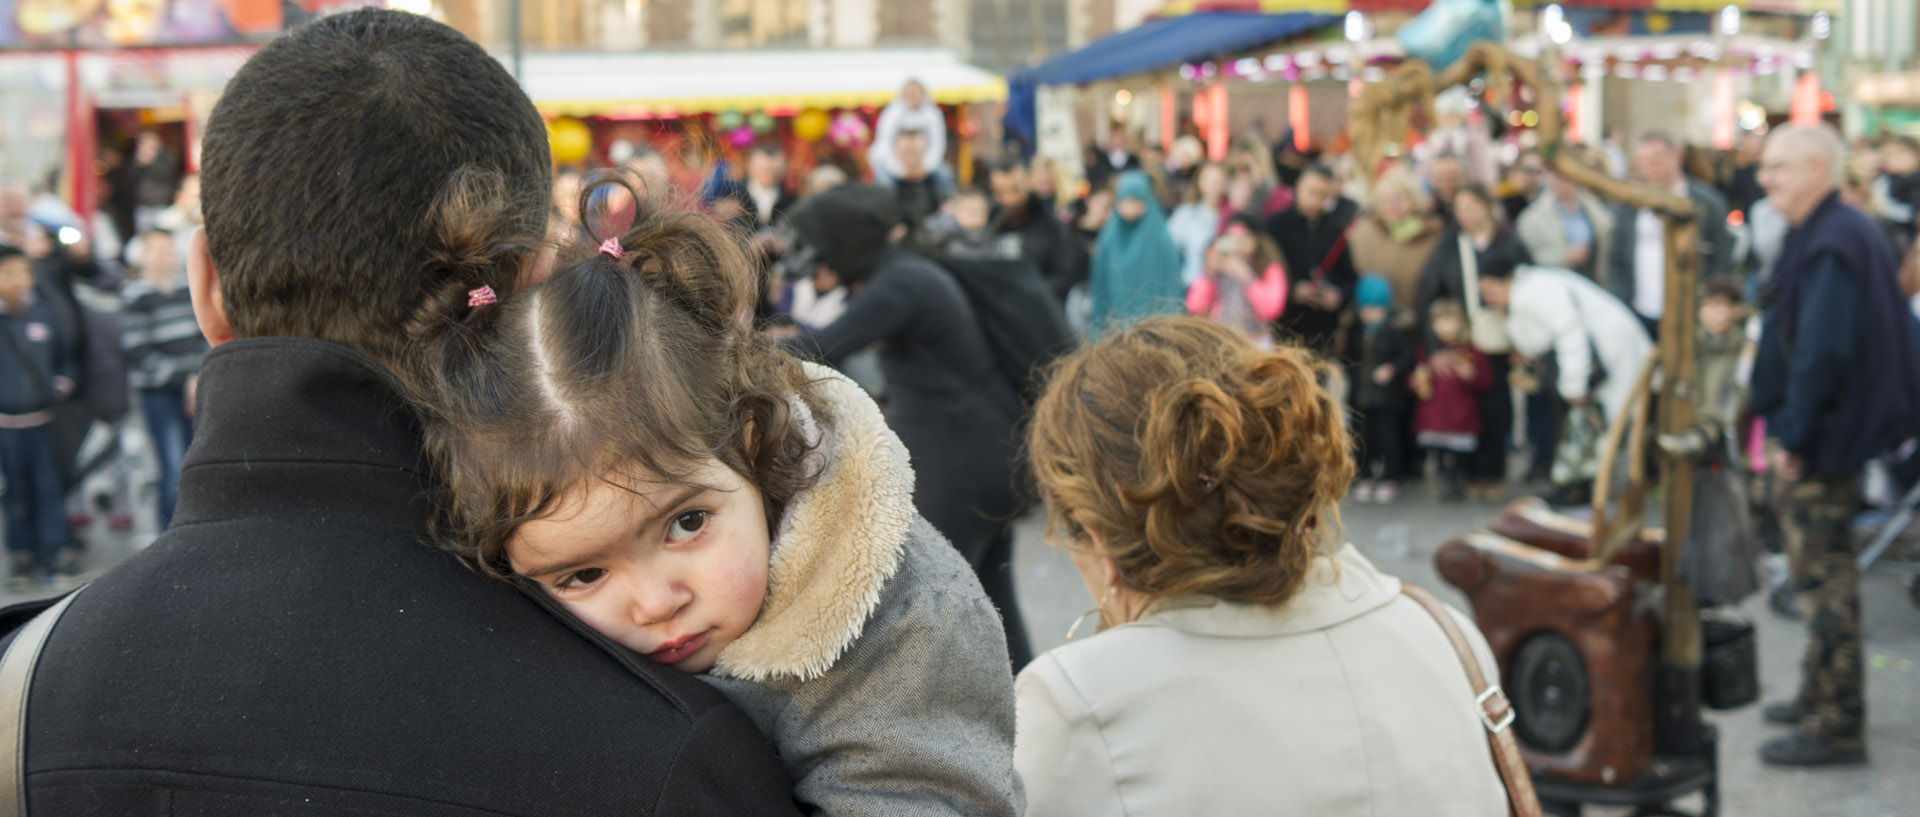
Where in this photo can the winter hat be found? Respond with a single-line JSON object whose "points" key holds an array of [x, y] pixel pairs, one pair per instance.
{"points": [[847, 227], [1373, 291]]}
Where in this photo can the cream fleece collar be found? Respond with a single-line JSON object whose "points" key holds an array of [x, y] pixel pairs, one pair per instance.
{"points": [[836, 546]]}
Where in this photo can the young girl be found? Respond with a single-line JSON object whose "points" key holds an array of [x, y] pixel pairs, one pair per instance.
{"points": [[1244, 286], [618, 439], [1448, 382]]}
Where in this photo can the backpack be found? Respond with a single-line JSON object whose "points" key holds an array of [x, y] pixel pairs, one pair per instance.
{"points": [[1024, 326]]}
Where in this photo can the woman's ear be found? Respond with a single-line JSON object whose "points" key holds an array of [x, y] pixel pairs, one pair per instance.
{"points": [[1108, 572], [203, 283]]}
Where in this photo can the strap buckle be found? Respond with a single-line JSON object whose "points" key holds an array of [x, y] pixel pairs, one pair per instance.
{"points": [[1487, 716]]}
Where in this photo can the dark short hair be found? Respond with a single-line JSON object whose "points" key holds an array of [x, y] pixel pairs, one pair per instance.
{"points": [[9, 251], [971, 192], [1316, 169], [1725, 289], [324, 160], [1010, 163], [1659, 136], [768, 149]]}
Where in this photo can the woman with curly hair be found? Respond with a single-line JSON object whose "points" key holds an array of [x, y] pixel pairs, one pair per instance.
{"points": [[1250, 662]]}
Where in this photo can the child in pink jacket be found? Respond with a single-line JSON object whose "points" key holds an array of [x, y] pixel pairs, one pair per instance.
{"points": [[1244, 286]]}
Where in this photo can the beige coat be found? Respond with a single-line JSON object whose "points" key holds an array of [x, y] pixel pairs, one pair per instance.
{"points": [[1346, 700], [1401, 262]]}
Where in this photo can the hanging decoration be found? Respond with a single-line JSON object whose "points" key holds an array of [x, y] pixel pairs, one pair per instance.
{"points": [[760, 122], [849, 131], [810, 125], [569, 140], [727, 121]]}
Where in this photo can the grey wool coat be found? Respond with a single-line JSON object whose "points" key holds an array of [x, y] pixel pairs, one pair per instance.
{"points": [[877, 665]]}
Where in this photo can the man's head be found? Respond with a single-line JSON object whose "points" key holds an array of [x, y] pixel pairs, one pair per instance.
{"points": [[159, 259], [1900, 156], [1529, 173], [1446, 174], [1656, 160], [1010, 184], [910, 147], [765, 166], [1496, 283], [323, 226], [1562, 188], [146, 147], [16, 276], [1800, 167], [1316, 192], [1722, 305]]}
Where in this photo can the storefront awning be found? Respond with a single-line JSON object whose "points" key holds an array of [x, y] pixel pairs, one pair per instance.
{"points": [[1168, 41], [1765, 6], [668, 84]]}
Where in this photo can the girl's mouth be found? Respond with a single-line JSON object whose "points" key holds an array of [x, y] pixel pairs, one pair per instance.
{"points": [[674, 652]]}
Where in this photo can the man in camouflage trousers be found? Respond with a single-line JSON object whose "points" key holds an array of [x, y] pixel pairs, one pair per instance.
{"points": [[1837, 376]]}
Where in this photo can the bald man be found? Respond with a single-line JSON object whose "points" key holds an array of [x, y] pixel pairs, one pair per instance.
{"points": [[1838, 379]]}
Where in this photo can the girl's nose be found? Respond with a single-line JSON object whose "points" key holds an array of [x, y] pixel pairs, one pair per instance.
{"points": [[658, 598]]}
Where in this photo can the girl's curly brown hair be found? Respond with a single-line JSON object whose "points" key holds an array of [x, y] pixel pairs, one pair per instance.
{"points": [[612, 365], [1204, 463]]}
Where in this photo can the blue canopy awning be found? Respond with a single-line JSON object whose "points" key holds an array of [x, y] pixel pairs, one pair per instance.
{"points": [[1153, 45], [1166, 41]]}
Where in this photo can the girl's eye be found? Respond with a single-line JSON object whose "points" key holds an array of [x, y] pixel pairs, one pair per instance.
{"points": [[687, 524], [581, 578]]}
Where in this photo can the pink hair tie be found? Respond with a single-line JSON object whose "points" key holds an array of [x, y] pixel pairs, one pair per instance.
{"points": [[611, 247], [481, 297]]}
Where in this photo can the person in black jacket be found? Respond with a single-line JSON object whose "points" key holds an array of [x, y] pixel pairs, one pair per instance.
{"points": [[1379, 360], [1044, 242], [290, 644], [946, 396], [1312, 239]]}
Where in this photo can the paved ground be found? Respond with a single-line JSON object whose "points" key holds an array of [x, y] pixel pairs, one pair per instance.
{"points": [[1402, 538]]}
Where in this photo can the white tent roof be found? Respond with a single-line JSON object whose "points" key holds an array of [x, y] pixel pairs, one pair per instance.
{"points": [[695, 82]]}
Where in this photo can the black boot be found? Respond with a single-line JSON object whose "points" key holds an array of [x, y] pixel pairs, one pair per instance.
{"points": [[1784, 713], [1798, 748]]}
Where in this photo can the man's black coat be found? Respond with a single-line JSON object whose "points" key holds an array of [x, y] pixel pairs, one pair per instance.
{"points": [[289, 647]]}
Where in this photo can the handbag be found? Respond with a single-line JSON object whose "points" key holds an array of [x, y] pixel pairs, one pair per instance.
{"points": [[1496, 712], [1486, 327], [16, 681]]}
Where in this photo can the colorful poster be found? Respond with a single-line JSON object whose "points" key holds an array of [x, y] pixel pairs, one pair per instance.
{"points": [[40, 24]]}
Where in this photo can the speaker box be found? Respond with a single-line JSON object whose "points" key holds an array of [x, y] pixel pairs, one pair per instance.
{"points": [[1530, 521], [1577, 649]]}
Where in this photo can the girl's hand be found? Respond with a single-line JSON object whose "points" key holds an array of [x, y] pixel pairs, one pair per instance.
{"points": [[1383, 374], [1236, 268], [1462, 367]]}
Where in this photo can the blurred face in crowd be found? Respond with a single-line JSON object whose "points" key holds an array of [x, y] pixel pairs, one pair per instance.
{"points": [[1447, 176], [1393, 205], [970, 212], [1041, 178], [1117, 141], [14, 201], [1528, 173], [1898, 159], [1130, 209], [1717, 315], [147, 148], [159, 261], [1212, 182], [1562, 188], [1373, 315], [1472, 213], [764, 168], [1009, 188], [1450, 329], [914, 95], [911, 148], [1494, 291], [16, 280], [650, 167], [1794, 174], [1657, 163], [1313, 196]]}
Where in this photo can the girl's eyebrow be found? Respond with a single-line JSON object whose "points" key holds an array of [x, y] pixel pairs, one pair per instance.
{"points": [[675, 500]]}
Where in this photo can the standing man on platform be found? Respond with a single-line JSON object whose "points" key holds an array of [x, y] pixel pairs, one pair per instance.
{"points": [[1838, 380]]}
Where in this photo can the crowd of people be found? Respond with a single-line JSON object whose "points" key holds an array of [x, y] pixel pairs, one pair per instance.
{"points": [[523, 493]]}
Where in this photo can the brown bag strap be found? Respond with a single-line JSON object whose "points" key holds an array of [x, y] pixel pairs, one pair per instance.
{"points": [[1496, 712]]}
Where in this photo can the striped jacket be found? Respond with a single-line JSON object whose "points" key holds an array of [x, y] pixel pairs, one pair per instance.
{"points": [[162, 339]]}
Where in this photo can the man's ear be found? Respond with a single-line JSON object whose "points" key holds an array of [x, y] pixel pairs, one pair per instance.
{"points": [[204, 284]]}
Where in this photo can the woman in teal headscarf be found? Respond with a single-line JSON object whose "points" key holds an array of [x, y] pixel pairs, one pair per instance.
{"points": [[1136, 264]]}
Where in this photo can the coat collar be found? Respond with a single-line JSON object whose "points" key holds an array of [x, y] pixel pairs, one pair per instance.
{"points": [[836, 546], [1340, 587], [294, 425]]}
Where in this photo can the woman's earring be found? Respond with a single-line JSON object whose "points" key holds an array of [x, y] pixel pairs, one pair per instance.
{"points": [[1099, 609]]}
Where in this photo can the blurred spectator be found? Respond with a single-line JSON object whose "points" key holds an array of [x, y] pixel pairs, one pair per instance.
{"points": [[1136, 265], [1044, 179], [1020, 211], [1449, 382], [823, 178], [163, 347], [36, 373], [1104, 165], [1597, 348], [154, 172], [1394, 237], [971, 235], [1250, 158], [1837, 377], [1197, 220], [1479, 245], [912, 110], [1522, 184], [1312, 235], [1454, 134], [184, 216], [1183, 168], [1613, 150], [1195, 481], [767, 185], [1742, 188], [655, 177], [1381, 359], [1243, 285], [919, 193], [1637, 259], [1568, 228], [1895, 197], [1446, 175]]}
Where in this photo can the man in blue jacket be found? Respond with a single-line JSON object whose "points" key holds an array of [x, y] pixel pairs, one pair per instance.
{"points": [[1838, 380]]}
